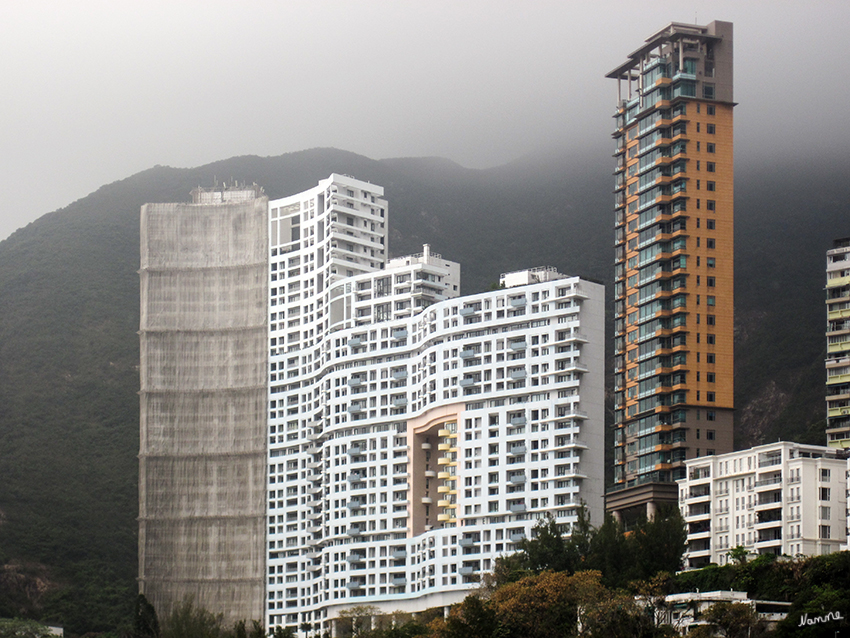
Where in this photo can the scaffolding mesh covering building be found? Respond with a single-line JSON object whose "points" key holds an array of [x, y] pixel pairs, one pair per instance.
{"points": [[203, 375]]}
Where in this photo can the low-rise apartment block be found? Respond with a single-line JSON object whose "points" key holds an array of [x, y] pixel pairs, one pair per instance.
{"points": [[781, 498]]}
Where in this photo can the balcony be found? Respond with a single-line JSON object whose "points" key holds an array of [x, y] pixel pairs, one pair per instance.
{"points": [[518, 420], [400, 401], [355, 408], [355, 382], [467, 354], [517, 537], [466, 571], [517, 479], [398, 335], [467, 542], [517, 508], [517, 450], [518, 302], [518, 345], [399, 374], [356, 450], [773, 480], [399, 554]]}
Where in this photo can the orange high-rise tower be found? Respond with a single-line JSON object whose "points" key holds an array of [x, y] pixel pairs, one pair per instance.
{"points": [[674, 301]]}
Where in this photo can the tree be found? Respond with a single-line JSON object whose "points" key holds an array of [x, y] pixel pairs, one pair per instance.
{"points": [[473, 617], [658, 544], [610, 554], [18, 628], [145, 621], [738, 554], [545, 605], [356, 621], [732, 620], [547, 550], [188, 621]]}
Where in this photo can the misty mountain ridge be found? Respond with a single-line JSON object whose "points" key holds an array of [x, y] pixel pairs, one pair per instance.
{"points": [[69, 315]]}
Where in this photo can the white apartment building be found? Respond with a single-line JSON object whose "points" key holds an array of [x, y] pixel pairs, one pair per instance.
{"points": [[414, 435], [780, 498], [838, 344]]}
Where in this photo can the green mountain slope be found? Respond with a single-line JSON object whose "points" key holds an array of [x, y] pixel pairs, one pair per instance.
{"points": [[69, 316]]}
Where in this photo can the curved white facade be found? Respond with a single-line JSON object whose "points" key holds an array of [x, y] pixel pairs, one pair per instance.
{"points": [[414, 435]]}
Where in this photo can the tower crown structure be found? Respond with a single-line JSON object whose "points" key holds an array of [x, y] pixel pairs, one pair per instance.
{"points": [[673, 292]]}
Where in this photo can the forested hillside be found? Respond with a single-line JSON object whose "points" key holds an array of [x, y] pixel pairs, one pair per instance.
{"points": [[69, 316]]}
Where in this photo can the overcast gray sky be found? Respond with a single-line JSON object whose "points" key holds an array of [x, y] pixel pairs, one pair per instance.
{"points": [[94, 91]]}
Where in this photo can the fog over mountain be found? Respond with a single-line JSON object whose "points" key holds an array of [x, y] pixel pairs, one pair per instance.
{"points": [[95, 91]]}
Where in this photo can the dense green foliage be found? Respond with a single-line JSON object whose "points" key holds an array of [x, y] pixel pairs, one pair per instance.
{"points": [[650, 547], [15, 628], [69, 316]]}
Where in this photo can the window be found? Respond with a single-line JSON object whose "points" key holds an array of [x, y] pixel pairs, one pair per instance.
{"points": [[710, 147], [710, 129], [710, 415], [709, 396], [824, 531], [697, 184], [711, 379], [710, 167], [825, 511], [824, 493], [709, 358], [824, 474], [710, 186], [709, 243], [697, 132], [710, 320], [710, 262], [710, 300], [708, 90], [709, 339], [709, 109], [710, 204], [709, 224], [710, 282], [709, 435]]}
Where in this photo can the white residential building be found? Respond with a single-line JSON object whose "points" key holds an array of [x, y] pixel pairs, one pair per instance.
{"points": [[781, 498], [838, 344], [415, 436], [323, 427]]}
